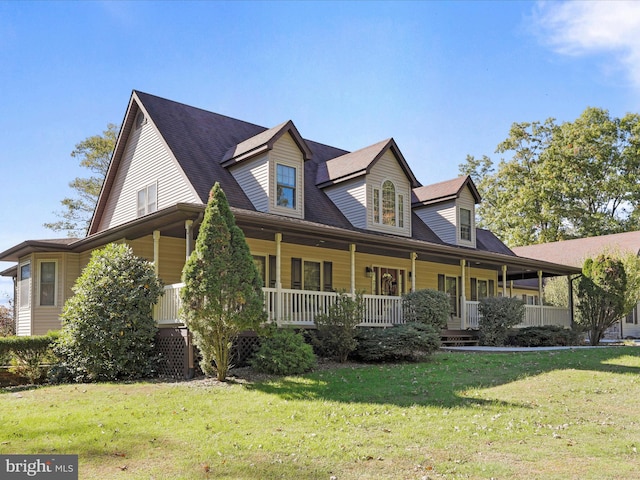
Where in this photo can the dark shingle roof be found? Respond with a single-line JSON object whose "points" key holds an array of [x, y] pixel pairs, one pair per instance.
{"points": [[575, 252], [202, 141], [441, 191]]}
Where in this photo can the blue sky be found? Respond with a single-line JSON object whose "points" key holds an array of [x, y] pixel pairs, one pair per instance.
{"points": [[445, 79]]}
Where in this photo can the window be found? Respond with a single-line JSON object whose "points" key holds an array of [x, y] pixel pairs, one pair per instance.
{"points": [[286, 186], [47, 283], [465, 224], [261, 265], [148, 199], [449, 285], [376, 205], [388, 203], [25, 284], [388, 210], [310, 275]]}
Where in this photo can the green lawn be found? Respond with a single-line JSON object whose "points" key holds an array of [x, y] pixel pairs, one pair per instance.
{"points": [[550, 415]]}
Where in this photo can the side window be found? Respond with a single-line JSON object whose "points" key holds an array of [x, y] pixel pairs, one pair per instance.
{"points": [[25, 285], [286, 186], [148, 199], [47, 283], [465, 224], [388, 203]]}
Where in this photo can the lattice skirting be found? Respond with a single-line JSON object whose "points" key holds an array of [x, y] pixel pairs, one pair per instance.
{"points": [[172, 345]]}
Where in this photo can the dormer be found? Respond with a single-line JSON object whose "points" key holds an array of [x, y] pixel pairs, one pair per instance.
{"points": [[371, 187], [269, 168], [448, 208]]}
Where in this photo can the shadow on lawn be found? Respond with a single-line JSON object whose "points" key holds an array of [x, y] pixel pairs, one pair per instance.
{"points": [[444, 381]]}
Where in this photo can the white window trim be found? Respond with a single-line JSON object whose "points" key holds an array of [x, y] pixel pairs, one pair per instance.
{"points": [[299, 188], [470, 241], [39, 283], [147, 210], [28, 304], [399, 212]]}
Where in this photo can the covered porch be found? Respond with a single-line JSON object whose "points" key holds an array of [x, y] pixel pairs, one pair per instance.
{"points": [[298, 308]]}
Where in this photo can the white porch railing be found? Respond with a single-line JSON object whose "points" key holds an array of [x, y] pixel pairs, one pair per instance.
{"points": [[534, 316], [167, 308], [300, 307], [296, 307]]}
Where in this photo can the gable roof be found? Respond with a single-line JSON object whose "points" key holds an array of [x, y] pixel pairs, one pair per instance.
{"points": [[263, 142], [355, 164], [443, 191], [575, 252]]}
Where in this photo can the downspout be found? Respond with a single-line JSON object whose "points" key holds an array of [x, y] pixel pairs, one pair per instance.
{"points": [[463, 295], [414, 256], [352, 255], [278, 239]]}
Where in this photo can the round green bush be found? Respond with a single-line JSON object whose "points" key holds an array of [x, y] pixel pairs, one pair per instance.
{"points": [[284, 352], [430, 307], [410, 342], [108, 331]]}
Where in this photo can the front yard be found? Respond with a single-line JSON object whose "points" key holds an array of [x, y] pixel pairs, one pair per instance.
{"points": [[563, 415]]}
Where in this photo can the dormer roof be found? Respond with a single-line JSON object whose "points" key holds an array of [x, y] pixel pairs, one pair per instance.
{"points": [[444, 191], [263, 142], [355, 164]]}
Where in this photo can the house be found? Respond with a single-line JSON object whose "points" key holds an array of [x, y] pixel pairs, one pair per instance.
{"points": [[318, 219], [575, 252]]}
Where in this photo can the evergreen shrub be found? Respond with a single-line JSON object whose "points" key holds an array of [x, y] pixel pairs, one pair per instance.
{"points": [[497, 316], [428, 306], [284, 352], [411, 342]]}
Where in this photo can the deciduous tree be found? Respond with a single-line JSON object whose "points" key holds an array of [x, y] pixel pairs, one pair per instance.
{"points": [[222, 295], [572, 180], [601, 295], [94, 153]]}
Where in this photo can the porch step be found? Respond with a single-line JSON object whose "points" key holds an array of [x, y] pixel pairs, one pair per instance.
{"points": [[458, 338]]}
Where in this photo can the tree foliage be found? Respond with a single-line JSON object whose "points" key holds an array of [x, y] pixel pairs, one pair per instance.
{"points": [[7, 322], [336, 329], [222, 295], [601, 294], [572, 180], [94, 153], [108, 331]]}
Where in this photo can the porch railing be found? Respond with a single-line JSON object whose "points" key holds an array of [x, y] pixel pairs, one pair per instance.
{"points": [[534, 316], [300, 308], [296, 307]]}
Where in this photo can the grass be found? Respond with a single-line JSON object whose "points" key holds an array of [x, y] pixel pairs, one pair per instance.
{"points": [[546, 415]]}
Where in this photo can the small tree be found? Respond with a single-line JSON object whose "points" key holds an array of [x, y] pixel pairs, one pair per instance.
{"points": [[7, 322], [497, 315], [601, 293], [430, 307], [222, 295], [336, 329], [108, 331]]}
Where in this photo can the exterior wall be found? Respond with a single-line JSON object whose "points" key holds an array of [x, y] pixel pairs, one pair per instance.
{"points": [[253, 178], [351, 198], [286, 152], [146, 160], [172, 256], [441, 218], [388, 168]]}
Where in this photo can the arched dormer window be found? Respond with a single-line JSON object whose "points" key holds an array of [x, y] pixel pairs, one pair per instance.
{"points": [[388, 210], [389, 203]]}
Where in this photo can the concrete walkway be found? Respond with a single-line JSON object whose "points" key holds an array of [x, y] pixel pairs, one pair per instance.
{"points": [[517, 349]]}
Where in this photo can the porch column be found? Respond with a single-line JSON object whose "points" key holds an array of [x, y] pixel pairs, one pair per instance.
{"points": [[414, 256], [188, 226], [463, 295], [570, 281], [278, 239], [504, 280], [540, 296], [352, 254], [156, 251]]}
